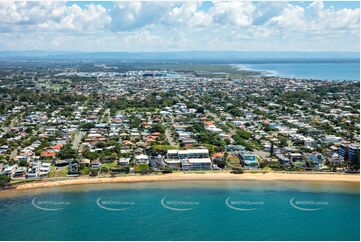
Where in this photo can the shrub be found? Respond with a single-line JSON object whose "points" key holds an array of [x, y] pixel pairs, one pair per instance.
{"points": [[245, 134], [84, 170], [94, 172], [221, 163], [237, 170], [4, 181], [167, 169], [141, 168], [104, 169]]}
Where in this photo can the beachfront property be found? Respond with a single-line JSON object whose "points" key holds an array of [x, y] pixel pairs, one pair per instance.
{"points": [[74, 169], [141, 159], [317, 160], [248, 160], [124, 162], [283, 160], [187, 154], [9, 170], [44, 169], [114, 124], [192, 159], [297, 160], [350, 152]]}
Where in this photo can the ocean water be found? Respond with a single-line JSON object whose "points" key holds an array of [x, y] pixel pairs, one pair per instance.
{"points": [[222, 210], [349, 70]]}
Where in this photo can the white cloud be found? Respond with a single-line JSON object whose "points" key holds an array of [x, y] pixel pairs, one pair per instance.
{"points": [[343, 19], [49, 16], [91, 18], [267, 10], [189, 15], [316, 8], [132, 15], [238, 13], [315, 20], [291, 18], [179, 26]]}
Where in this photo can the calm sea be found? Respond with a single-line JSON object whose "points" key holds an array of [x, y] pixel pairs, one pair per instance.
{"points": [[348, 70], [222, 210]]}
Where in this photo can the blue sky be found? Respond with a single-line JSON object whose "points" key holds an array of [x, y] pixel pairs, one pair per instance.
{"points": [[180, 26]]}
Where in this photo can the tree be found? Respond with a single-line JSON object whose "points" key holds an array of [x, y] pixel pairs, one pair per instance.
{"points": [[282, 141], [237, 170], [99, 144], [200, 109], [4, 181], [90, 155], [240, 141], [244, 134], [23, 163], [87, 126], [94, 172], [167, 169], [221, 163], [67, 152], [162, 149], [158, 128]]}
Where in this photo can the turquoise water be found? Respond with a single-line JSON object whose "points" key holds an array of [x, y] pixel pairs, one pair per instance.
{"points": [[310, 70], [184, 211]]}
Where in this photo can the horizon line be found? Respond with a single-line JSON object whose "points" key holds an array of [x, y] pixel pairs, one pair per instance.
{"points": [[167, 51]]}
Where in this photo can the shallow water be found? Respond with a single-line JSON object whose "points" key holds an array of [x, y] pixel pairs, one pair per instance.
{"points": [[309, 70], [186, 210]]}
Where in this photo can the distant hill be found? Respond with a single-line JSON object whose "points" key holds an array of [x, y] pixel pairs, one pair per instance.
{"points": [[184, 55]]}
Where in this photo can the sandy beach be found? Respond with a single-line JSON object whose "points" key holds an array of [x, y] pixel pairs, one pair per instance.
{"points": [[271, 176]]}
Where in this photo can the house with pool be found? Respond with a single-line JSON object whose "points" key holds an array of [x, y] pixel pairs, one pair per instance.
{"points": [[248, 160]]}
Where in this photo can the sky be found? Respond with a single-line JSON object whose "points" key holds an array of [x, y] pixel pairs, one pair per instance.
{"points": [[138, 26]]}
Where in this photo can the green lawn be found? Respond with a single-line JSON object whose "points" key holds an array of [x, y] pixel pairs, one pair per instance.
{"points": [[62, 173], [109, 165], [233, 163], [52, 172], [85, 171]]}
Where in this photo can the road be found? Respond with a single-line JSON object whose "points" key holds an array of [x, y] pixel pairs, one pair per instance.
{"points": [[262, 154], [168, 134], [106, 113], [15, 121], [169, 137], [13, 154], [77, 139], [232, 131]]}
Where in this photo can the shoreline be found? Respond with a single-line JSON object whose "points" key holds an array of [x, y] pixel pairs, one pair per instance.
{"points": [[271, 72], [271, 176]]}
